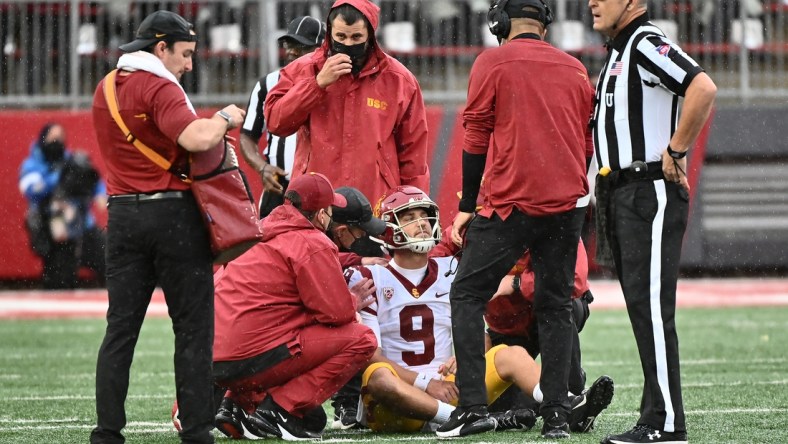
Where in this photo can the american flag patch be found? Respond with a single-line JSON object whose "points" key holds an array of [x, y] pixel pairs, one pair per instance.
{"points": [[663, 50], [617, 68]]}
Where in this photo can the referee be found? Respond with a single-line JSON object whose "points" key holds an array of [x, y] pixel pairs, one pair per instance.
{"points": [[642, 193], [304, 35]]}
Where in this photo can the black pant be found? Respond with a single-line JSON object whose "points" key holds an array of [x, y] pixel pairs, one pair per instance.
{"points": [[160, 242], [492, 248], [649, 220]]}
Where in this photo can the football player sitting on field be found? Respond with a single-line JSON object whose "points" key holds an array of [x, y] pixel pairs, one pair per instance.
{"points": [[409, 385]]}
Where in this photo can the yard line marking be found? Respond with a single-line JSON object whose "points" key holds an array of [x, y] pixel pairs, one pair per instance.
{"points": [[92, 355], [710, 412], [80, 397], [165, 396], [688, 362], [708, 384]]}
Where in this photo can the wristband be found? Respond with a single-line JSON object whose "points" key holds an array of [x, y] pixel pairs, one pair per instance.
{"points": [[221, 113], [422, 381], [676, 154]]}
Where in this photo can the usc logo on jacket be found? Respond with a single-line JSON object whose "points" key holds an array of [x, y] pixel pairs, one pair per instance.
{"points": [[377, 104]]}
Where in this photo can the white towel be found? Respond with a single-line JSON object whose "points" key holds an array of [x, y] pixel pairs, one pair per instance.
{"points": [[145, 61]]}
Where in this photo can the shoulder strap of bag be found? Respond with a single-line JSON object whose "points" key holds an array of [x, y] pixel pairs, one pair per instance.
{"points": [[112, 102]]}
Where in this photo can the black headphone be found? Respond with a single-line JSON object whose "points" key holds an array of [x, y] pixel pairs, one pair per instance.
{"points": [[500, 24]]}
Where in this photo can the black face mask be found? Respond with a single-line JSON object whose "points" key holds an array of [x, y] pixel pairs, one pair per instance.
{"points": [[366, 247], [357, 53], [53, 151]]}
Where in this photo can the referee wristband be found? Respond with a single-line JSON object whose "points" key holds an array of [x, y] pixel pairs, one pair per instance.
{"points": [[676, 154], [422, 381]]}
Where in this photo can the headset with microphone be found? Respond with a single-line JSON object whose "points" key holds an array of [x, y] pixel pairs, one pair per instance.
{"points": [[500, 22]]}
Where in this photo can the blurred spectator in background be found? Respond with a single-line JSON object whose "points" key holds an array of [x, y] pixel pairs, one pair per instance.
{"points": [[60, 187]]}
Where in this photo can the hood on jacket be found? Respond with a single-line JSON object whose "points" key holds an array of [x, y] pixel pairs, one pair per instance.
{"points": [[282, 219], [368, 9]]}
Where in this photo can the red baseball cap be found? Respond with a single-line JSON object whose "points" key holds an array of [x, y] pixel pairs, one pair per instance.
{"points": [[316, 192]]}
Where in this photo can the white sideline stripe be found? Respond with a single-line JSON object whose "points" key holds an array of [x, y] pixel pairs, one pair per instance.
{"points": [[607, 295], [10, 307]]}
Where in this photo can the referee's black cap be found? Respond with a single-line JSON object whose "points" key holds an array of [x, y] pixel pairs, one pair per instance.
{"points": [[305, 30], [161, 26]]}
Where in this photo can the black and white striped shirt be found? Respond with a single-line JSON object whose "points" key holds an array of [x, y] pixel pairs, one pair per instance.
{"points": [[280, 151], [637, 95]]}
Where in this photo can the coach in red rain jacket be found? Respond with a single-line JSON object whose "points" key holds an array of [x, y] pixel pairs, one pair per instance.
{"points": [[526, 130], [359, 113], [285, 319]]}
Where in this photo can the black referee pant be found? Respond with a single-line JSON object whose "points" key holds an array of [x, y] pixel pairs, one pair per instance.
{"points": [[492, 248], [148, 243], [649, 218]]}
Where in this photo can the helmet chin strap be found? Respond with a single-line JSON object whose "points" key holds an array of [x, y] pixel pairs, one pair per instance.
{"points": [[422, 246]]}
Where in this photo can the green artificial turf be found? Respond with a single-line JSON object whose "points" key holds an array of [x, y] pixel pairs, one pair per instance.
{"points": [[734, 370]]}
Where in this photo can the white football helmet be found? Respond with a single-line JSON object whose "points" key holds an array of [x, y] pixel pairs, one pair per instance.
{"points": [[392, 204]]}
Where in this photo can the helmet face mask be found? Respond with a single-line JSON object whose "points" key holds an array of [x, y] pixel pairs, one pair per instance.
{"points": [[390, 208]]}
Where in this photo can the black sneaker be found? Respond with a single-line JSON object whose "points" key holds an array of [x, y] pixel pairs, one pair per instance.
{"points": [[555, 427], [346, 414], [270, 418], [464, 422], [517, 419], [233, 422], [587, 406], [642, 433]]}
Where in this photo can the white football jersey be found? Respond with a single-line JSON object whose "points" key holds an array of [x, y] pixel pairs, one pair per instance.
{"points": [[411, 322]]}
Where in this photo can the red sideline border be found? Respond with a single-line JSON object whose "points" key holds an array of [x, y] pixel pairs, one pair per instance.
{"points": [[607, 295]]}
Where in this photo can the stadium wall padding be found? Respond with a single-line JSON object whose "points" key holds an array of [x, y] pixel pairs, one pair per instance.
{"points": [[724, 135]]}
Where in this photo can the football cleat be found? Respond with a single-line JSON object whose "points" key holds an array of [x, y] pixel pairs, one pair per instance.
{"points": [[642, 433], [517, 419], [233, 422], [464, 422], [346, 414], [555, 427], [588, 405], [271, 418]]}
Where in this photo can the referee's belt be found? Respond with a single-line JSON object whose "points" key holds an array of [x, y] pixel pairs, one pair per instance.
{"points": [[134, 198], [635, 173]]}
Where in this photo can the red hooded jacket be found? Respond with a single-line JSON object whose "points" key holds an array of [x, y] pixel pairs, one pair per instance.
{"points": [[367, 131], [292, 279]]}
